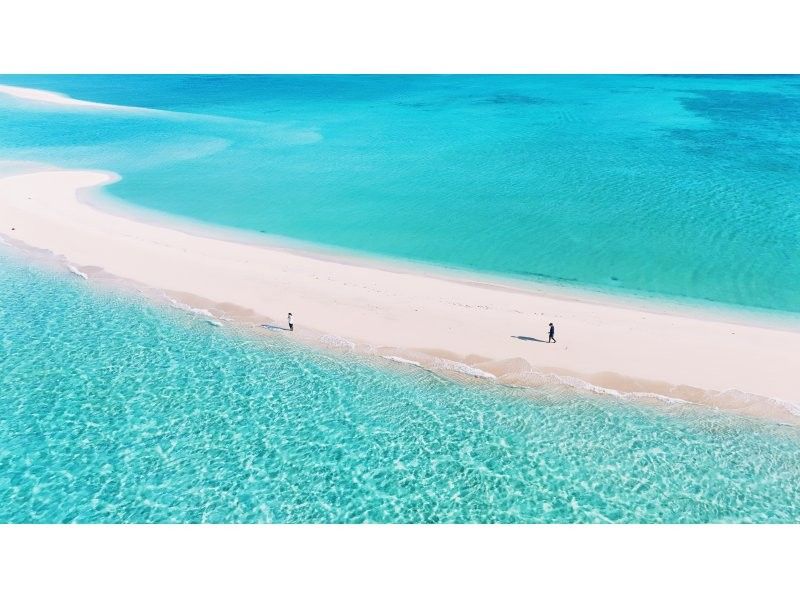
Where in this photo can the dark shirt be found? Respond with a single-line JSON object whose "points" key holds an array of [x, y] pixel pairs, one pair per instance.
{"points": [[552, 330]]}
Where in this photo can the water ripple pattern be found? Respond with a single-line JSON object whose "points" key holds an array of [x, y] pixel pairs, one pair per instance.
{"points": [[681, 187], [114, 410]]}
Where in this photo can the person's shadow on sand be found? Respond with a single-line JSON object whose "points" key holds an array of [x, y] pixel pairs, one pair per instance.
{"points": [[272, 327], [528, 338]]}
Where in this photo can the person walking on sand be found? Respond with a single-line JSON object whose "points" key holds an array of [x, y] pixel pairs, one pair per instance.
{"points": [[552, 334], [291, 322]]}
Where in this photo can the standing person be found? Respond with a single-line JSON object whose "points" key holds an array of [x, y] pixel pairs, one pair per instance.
{"points": [[291, 322], [552, 334]]}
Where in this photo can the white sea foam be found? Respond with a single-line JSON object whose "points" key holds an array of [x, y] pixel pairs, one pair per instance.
{"points": [[731, 394], [77, 272], [579, 384], [402, 360], [462, 368], [583, 385], [194, 310], [792, 408]]}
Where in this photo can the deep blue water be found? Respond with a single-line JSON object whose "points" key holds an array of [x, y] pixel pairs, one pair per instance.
{"points": [[685, 187]]}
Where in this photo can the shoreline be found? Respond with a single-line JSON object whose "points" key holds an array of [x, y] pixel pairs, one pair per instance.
{"points": [[477, 326], [552, 383], [98, 198]]}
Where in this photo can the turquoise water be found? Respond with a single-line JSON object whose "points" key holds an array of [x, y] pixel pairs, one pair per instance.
{"points": [[114, 410], [683, 187]]}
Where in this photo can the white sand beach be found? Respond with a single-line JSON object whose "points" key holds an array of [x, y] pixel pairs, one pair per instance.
{"points": [[40, 96], [466, 323]]}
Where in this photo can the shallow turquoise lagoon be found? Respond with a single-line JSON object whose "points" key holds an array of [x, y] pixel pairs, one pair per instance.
{"points": [[114, 410], [683, 187]]}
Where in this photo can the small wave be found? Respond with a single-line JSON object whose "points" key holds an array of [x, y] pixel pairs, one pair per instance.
{"points": [[77, 272], [402, 360], [214, 323], [462, 368], [655, 396], [583, 385], [195, 310]]}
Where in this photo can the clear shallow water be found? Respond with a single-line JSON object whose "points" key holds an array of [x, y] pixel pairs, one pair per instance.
{"points": [[112, 410], [685, 187]]}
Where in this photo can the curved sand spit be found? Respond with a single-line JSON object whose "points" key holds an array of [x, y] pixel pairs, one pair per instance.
{"points": [[411, 315]]}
